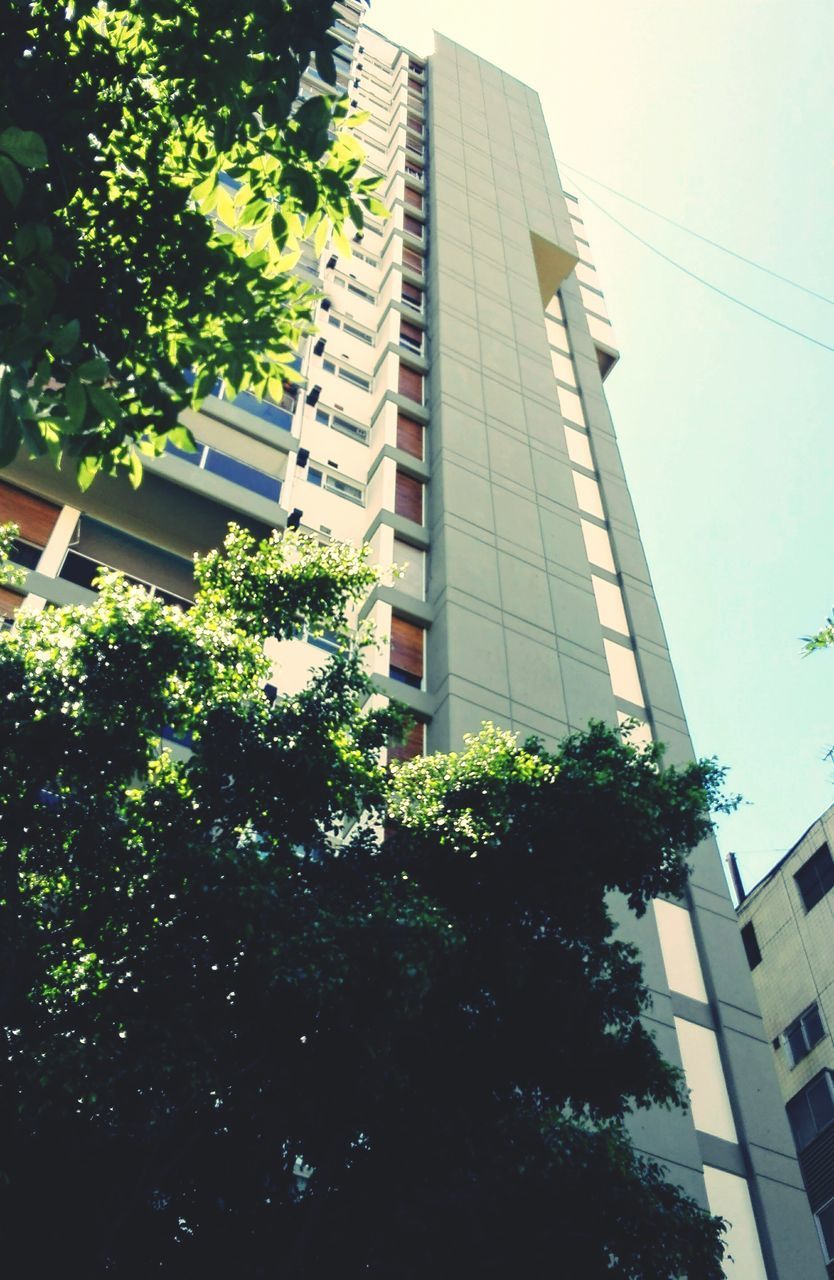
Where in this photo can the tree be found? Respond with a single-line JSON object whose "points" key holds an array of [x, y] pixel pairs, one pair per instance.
{"points": [[156, 180], [241, 1035]]}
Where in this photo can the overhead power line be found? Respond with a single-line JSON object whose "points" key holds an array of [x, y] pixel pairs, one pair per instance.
{"points": [[693, 275], [697, 235]]}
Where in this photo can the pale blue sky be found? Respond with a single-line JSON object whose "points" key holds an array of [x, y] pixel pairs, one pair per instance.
{"points": [[719, 115]]}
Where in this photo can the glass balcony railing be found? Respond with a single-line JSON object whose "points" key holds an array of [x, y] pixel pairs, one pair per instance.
{"points": [[240, 473]]}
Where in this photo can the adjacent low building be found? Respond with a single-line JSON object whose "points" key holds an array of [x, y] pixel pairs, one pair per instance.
{"points": [[787, 927]]}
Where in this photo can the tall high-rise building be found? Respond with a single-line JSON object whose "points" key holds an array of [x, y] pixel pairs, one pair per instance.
{"points": [[454, 416]]}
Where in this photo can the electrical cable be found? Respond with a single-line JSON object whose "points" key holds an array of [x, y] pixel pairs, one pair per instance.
{"points": [[750, 262], [722, 293]]}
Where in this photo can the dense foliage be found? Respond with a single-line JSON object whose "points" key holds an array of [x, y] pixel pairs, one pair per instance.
{"points": [[155, 181], [241, 1036]]}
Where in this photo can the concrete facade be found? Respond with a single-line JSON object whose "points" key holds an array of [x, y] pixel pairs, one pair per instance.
{"points": [[455, 417]]}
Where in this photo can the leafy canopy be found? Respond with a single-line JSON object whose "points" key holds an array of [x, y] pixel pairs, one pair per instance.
{"points": [[241, 1036], [156, 181]]}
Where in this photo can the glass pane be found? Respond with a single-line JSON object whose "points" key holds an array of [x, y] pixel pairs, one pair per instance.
{"points": [[579, 448], [240, 473], [622, 666], [680, 953], [563, 368], [796, 1042], [802, 1122], [709, 1099], [610, 604], [820, 1101], [825, 1218], [588, 495], [571, 406], [814, 1031], [598, 546], [729, 1196]]}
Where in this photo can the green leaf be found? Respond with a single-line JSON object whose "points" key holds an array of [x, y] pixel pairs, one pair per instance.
{"points": [[10, 180], [26, 148], [105, 403], [203, 385], [75, 402], [204, 189], [303, 186], [377, 208], [86, 472], [181, 438], [226, 211], [135, 469], [314, 113], [66, 338], [280, 228], [94, 370], [26, 240], [10, 433]]}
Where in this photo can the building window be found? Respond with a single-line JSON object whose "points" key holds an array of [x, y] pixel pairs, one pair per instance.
{"points": [[413, 260], [410, 383], [412, 296], [408, 498], [352, 376], [414, 198], [339, 423], [804, 1033], [751, 945], [411, 337], [406, 652], [335, 484], [812, 1110], [824, 1218], [409, 436], [413, 226], [816, 877]]}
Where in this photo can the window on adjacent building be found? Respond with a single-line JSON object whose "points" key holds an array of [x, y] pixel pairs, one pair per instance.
{"points": [[816, 878], [812, 1110], [825, 1226], [751, 945], [806, 1031]]}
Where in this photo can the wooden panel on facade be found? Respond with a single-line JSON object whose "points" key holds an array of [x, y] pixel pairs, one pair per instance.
{"points": [[410, 383], [414, 744], [409, 436], [414, 198], [413, 226], [34, 516], [407, 646], [408, 500], [9, 602]]}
